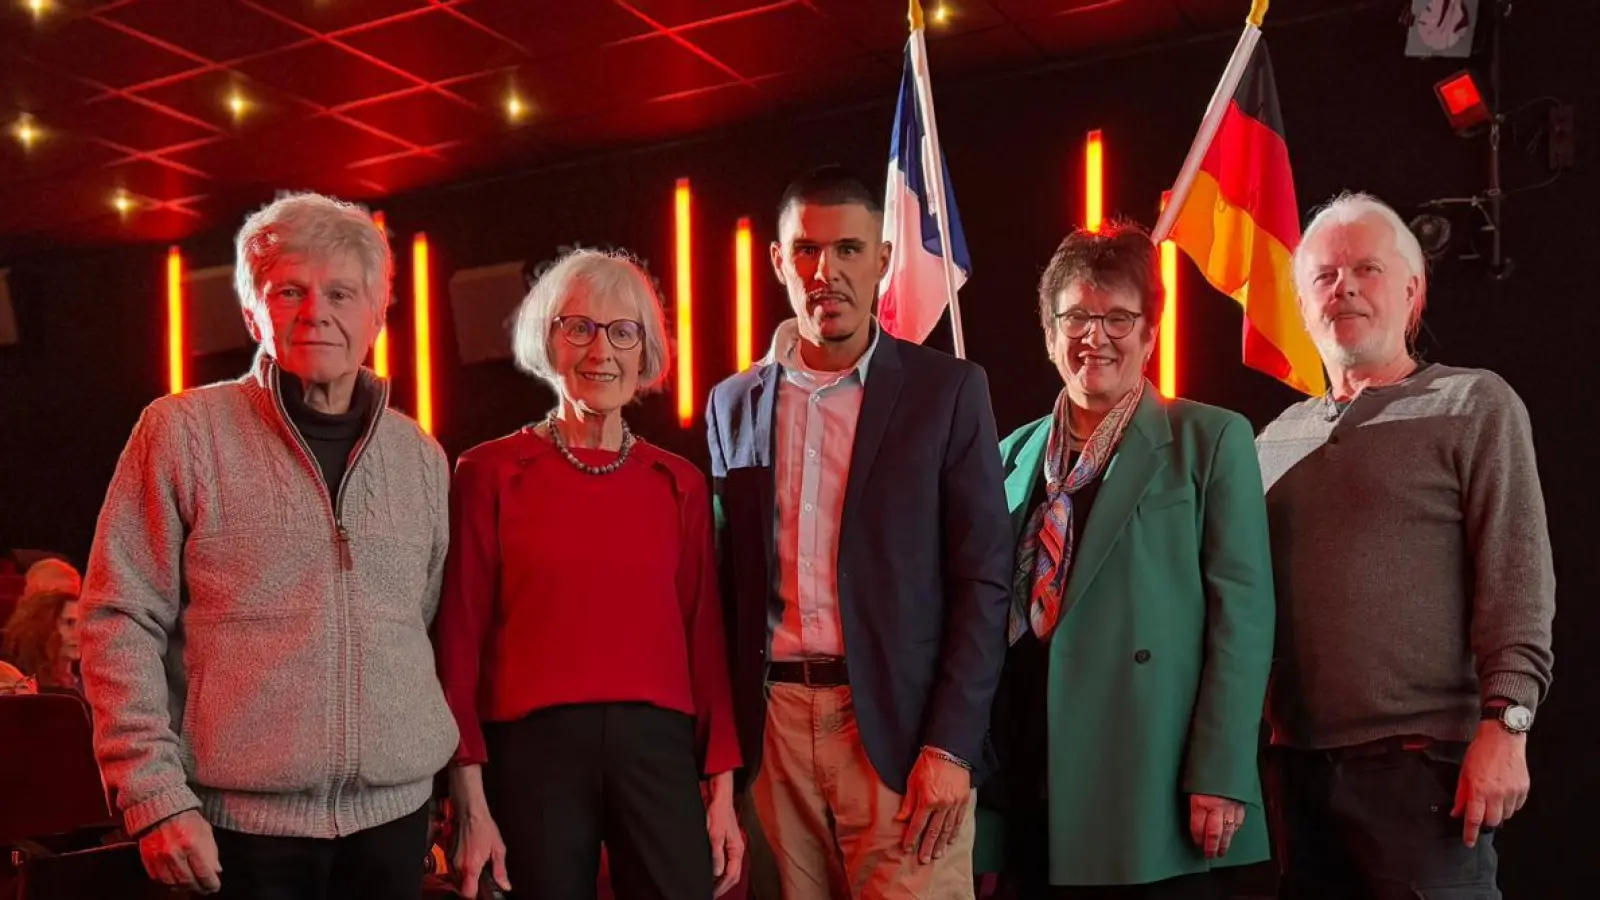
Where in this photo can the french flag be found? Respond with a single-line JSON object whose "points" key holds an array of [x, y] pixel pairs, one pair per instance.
{"points": [[918, 287]]}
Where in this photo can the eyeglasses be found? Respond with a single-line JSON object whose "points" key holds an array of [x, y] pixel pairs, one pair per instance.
{"points": [[580, 331], [1116, 324]]}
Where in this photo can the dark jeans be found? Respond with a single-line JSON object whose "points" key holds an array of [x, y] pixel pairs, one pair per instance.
{"points": [[561, 781], [1374, 824], [381, 863]]}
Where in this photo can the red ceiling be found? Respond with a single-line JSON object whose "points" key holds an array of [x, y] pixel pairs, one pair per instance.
{"points": [[366, 98]]}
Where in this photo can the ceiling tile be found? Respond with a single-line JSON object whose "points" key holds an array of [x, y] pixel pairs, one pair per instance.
{"points": [[770, 42], [27, 87], [325, 74], [337, 15], [144, 178], [543, 27], [136, 125], [880, 27], [979, 51], [290, 148], [436, 46], [643, 70], [425, 118], [55, 155], [679, 13], [219, 31], [1100, 28], [90, 49]]}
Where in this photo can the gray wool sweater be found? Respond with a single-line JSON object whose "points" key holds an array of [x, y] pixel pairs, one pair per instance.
{"points": [[253, 647], [1411, 560]]}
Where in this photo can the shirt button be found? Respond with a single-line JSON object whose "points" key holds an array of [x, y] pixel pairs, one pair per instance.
{"points": [[1333, 439], [811, 452], [1141, 657], [808, 507]]}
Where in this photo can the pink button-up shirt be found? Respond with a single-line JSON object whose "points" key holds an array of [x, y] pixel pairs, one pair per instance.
{"points": [[817, 413]]}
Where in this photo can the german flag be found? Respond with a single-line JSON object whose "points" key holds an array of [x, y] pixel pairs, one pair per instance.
{"points": [[1240, 223]]}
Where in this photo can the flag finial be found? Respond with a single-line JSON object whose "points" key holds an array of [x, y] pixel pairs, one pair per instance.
{"points": [[1258, 11], [915, 15]]}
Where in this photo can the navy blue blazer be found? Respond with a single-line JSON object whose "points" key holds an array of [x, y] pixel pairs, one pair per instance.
{"points": [[925, 554]]}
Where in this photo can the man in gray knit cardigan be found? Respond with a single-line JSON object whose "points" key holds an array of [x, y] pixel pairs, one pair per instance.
{"points": [[1415, 588], [264, 571]]}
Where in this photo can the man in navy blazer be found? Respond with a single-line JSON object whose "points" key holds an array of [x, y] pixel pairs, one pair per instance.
{"points": [[866, 556]]}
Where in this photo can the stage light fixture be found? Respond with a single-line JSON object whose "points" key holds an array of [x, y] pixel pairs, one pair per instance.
{"points": [[1462, 101]]}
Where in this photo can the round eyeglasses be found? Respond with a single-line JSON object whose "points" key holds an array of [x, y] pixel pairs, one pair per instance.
{"points": [[580, 331], [1116, 324]]}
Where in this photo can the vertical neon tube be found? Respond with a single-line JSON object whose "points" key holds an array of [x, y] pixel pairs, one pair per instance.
{"points": [[421, 297], [685, 303], [743, 296], [174, 320]]}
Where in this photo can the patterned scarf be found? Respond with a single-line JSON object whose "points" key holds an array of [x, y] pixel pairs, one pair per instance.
{"points": [[1048, 539]]}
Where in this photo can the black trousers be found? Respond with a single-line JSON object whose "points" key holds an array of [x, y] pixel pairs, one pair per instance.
{"points": [[381, 863], [1375, 824], [562, 781]]}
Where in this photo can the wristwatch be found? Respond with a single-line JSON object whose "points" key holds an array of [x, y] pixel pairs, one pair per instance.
{"points": [[1513, 717]]}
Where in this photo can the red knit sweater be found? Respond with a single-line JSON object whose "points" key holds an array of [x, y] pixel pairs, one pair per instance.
{"points": [[563, 587]]}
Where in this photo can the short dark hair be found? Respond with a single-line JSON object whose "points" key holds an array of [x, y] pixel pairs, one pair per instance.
{"points": [[1117, 257], [830, 185]]}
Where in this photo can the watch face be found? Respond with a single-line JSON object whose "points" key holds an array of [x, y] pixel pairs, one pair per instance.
{"points": [[1518, 718]]}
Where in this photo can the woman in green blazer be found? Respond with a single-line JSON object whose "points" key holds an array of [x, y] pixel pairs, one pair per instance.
{"points": [[1142, 625]]}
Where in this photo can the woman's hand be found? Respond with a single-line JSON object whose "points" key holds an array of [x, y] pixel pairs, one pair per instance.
{"points": [[478, 840], [1213, 821], [727, 841]]}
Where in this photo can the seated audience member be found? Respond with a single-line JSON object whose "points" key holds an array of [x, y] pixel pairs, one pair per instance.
{"points": [[41, 638]]}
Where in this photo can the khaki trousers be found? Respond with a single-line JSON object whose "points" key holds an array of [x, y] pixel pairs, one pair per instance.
{"points": [[822, 824]]}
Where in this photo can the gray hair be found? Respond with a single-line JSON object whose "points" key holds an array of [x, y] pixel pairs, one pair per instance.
{"points": [[311, 225], [601, 272], [1353, 206]]}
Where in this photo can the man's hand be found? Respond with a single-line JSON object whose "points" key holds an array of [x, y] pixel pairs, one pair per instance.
{"points": [[1213, 821], [935, 805], [1494, 780], [181, 851], [727, 841]]}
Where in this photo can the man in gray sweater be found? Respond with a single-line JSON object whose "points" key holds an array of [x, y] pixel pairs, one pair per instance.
{"points": [[255, 616], [1415, 588]]}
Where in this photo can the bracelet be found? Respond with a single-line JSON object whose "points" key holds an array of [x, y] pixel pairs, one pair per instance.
{"points": [[947, 756]]}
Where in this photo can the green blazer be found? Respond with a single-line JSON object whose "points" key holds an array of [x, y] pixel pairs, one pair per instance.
{"points": [[1158, 671]]}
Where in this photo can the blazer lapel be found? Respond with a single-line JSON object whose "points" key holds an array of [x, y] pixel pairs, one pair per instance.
{"points": [[1022, 479], [763, 454], [884, 377], [1130, 473]]}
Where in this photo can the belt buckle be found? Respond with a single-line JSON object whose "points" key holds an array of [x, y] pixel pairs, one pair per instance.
{"points": [[805, 673]]}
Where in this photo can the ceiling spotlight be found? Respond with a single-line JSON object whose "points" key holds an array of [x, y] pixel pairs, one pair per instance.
{"points": [[122, 203], [516, 109], [38, 7], [941, 14], [26, 133], [237, 104]]}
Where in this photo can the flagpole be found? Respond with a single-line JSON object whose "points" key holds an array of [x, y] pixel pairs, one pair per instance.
{"points": [[1212, 120], [933, 162]]}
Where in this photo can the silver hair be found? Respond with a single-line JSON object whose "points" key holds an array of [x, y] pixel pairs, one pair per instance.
{"points": [[1353, 206], [311, 225], [602, 272]]}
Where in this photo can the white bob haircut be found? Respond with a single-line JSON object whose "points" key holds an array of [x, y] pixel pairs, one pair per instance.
{"points": [[1353, 206], [600, 272], [307, 224]]}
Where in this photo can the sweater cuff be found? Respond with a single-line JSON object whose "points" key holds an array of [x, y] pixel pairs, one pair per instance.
{"points": [[141, 816], [1514, 686]]}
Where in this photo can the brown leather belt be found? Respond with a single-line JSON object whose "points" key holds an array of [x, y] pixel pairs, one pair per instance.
{"points": [[825, 672]]}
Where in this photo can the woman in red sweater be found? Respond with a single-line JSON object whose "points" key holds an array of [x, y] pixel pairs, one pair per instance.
{"points": [[580, 639]]}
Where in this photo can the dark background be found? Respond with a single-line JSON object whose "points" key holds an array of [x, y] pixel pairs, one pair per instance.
{"points": [[1358, 115]]}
